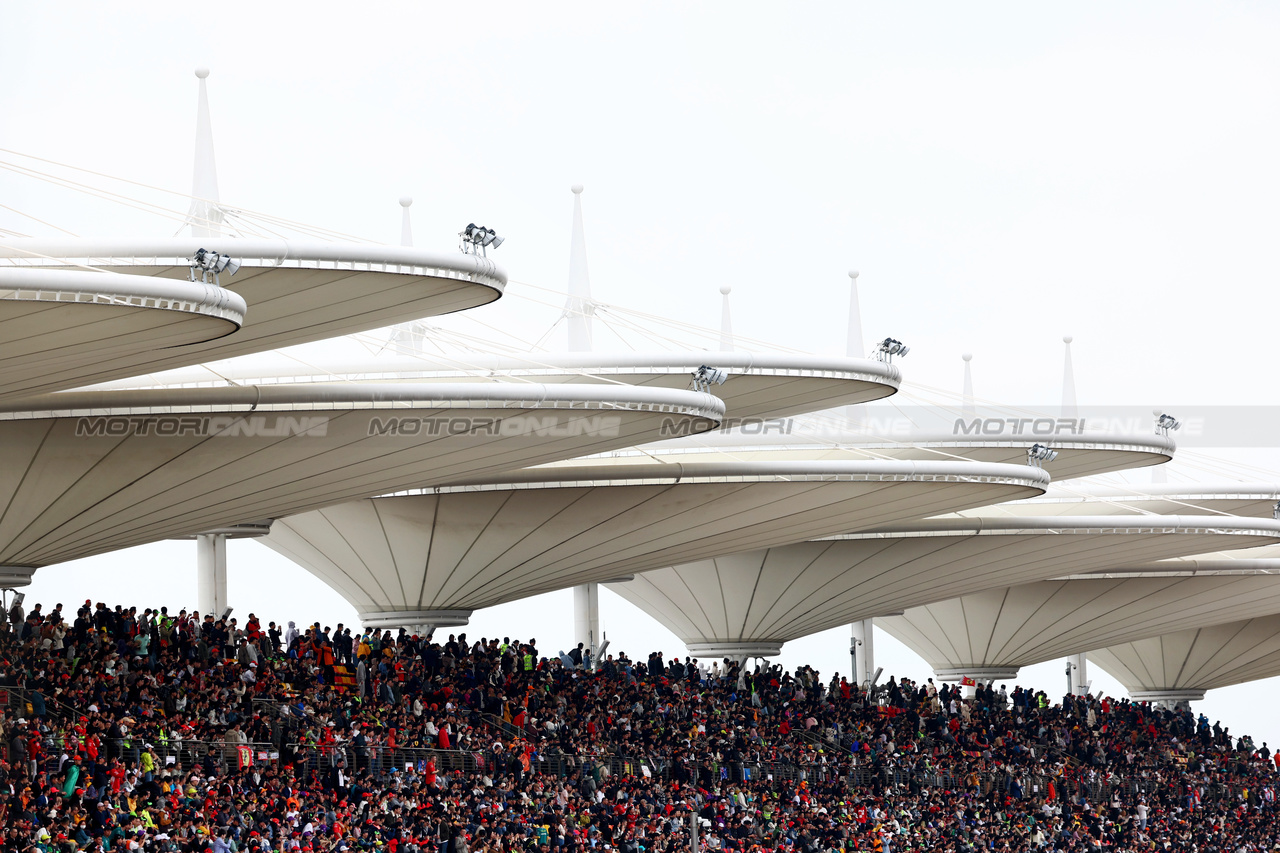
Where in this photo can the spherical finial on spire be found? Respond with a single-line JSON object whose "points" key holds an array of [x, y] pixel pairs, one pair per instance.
{"points": [[576, 189], [1066, 339], [725, 290], [853, 274], [967, 356], [406, 200], [202, 72]]}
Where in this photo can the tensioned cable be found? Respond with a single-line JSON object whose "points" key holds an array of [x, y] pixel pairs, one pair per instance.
{"points": [[107, 195], [37, 219], [247, 226], [691, 328], [267, 216]]}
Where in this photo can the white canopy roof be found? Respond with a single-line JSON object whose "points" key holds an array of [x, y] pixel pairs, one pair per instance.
{"points": [[1184, 664], [63, 319], [432, 558], [88, 472], [295, 292], [760, 385], [999, 630], [1078, 455], [1253, 500], [763, 598]]}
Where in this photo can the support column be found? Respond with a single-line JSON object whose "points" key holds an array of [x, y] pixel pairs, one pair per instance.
{"points": [[1079, 674], [586, 617], [211, 573], [863, 649]]}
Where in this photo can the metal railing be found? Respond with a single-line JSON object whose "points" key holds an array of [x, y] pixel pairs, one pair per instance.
{"points": [[186, 754], [27, 702]]}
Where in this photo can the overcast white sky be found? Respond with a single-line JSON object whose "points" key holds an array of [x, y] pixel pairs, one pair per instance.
{"points": [[1001, 174]]}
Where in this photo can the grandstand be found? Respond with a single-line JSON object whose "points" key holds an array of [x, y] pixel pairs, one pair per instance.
{"points": [[138, 727]]}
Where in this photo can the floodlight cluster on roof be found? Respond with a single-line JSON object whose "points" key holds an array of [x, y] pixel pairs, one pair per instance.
{"points": [[728, 495]]}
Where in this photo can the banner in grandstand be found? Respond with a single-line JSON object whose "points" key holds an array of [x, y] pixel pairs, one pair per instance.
{"points": [[343, 677], [244, 756], [968, 682]]}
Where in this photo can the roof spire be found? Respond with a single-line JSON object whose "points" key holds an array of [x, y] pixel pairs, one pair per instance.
{"points": [[1069, 409], [726, 321], [579, 307], [205, 215], [406, 229], [967, 406], [853, 343], [853, 346]]}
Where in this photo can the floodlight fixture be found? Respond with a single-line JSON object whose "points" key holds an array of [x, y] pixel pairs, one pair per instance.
{"points": [[1166, 423], [212, 262], [704, 377], [476, 239], [1038, 454], [889, 347]]}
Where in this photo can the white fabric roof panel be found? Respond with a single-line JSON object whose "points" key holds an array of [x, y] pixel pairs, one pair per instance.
{"points": [[88, 472], [778, 594], [1078, 455], [295, 292], [1196, 659], [1260, 560], [1252, 500], [52, 318], [760, 385], [499, 540], [1027, 624]]}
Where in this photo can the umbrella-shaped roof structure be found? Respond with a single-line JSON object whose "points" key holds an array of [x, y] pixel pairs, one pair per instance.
{"points": [[431, 558], [990, 634], [1078, 455], [88, 472], [1252, 500], [758, 385], [1181, 665], [753, 601], [93, 328]]}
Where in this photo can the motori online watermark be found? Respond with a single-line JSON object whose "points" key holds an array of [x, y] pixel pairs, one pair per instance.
{"points": [[1202, 426], [553, 426], [674, 427], [279, 426], [223, 426]]}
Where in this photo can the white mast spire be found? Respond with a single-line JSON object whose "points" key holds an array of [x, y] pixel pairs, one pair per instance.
{"points": [[406, 228], [578, 308], [853, 343], [726, 320], [967, 406], [862, 647], [1069, 409], [205, 214]]}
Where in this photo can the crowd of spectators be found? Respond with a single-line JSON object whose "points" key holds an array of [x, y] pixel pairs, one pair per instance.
{"points": [[151, 731]]}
